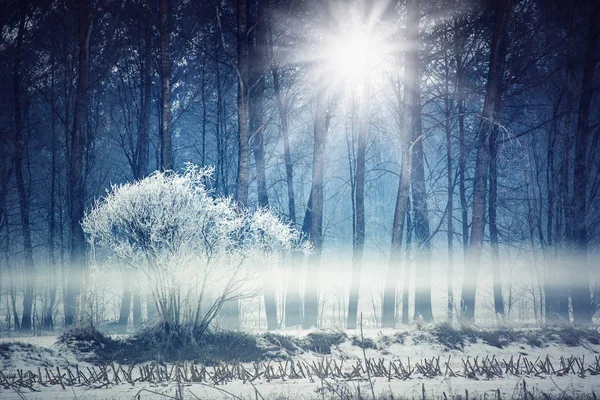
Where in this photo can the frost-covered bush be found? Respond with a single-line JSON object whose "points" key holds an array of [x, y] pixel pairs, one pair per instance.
{"points": [[194, 250]]}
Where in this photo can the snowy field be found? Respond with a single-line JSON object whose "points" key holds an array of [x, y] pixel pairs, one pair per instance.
{"points": [[21, 354]]}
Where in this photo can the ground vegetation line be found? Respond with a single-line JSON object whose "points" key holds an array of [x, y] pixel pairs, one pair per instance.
{"points": [[324, 368]]}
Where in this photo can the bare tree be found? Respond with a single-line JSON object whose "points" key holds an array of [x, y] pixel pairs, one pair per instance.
{"points": [[580, 289], [47, 316], [492, 96], [143, 143], [419, 194], [76, 179], [411, 89], [20, 144], [359, 201], [166, 144], [241, 191], [459, 40], [448, 106], [257, 38], [315, 211]]}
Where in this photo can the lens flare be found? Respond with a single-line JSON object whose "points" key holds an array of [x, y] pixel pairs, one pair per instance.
{"points": [[351, 57], [354, 46]]}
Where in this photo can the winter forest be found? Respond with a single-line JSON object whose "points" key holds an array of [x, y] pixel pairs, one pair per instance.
{"points": [[271, 164]]}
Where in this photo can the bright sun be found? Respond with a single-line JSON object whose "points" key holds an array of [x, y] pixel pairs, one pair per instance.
{"points": [[352, 57], [355, 51]]}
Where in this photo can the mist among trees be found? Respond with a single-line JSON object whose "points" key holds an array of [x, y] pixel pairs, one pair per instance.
{"points": [[267, 164]]}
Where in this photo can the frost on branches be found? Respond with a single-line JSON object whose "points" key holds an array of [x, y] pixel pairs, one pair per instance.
{"points": [[194, 251]]}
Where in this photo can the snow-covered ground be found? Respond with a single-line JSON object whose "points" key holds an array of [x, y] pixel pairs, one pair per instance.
{"points": [[510, 388], [29, 353]]}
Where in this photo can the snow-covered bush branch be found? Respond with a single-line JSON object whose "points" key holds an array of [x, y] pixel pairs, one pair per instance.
{"points": [[196, 251]]}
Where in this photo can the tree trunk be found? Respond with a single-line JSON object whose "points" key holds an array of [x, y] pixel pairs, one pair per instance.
{"points": [[76, 166], [257, 128], [388, 317], [493, 95], [20, 144], [166, 145], [550, 279], [462, 158], [256, 99], [419, 192], [293, 298], [559, 313], [411, 86], [311, 295], [137, 306], [450, 191], [204, 111], [407, 263], [359, 201], [125, 301], [289, 168], [270, 305], [556, 297], [143, 143], [241, 192], [47, 317], [231, 310], [220, 133], [4, 224], [493, 200], [580, 287]]}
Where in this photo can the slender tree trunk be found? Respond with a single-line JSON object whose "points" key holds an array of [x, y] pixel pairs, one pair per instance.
{"points": [[125, 301], [47, 320], [550, 278], [556, 297], [311, 295], [270, 305], [359, 201], [20, 144], [4, 224], [419, 195], [231, 310], [166, 145], [307, 216], [411, 75], [388, 318], [407, 264], [3, 217], [293, 299], [289, 167], [580, 287], [241, 192], [257, 127], [76, 166], [13, 300], [493, 95], [462, 158], [204, 111], [450, 191], [561, 289], [146, 93], [256, 99], [137, 305], [219, 135], [493, 200]]}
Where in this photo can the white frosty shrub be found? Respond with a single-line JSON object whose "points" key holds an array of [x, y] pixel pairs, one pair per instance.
{"points": [[196, 251]]}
